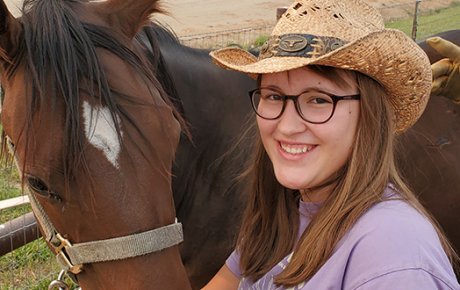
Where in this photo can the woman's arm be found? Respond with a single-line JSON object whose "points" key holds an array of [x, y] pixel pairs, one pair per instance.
{"points": [[223, 280]]}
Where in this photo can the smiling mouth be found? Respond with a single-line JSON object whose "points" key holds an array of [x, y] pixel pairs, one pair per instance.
{"points": [[296, 149]]}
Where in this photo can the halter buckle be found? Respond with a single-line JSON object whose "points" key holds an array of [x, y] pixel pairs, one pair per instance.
{"points": [[62, 257]]}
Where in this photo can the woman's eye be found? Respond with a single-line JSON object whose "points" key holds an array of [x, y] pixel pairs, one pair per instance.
{"points": [[316, 99], [273, 97], [320, 100]]}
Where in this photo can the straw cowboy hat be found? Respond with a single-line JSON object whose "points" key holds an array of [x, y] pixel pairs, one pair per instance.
{"points": [[347, 34]]}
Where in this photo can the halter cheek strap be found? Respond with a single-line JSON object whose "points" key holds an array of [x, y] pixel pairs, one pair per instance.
{"points": [[72, 257]]}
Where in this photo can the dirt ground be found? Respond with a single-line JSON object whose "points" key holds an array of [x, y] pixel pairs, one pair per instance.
{"points": [[190, 17]]}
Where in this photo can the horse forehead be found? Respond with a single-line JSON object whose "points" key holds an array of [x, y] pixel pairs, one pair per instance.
{"points": [[100, 131], [128, 80]]}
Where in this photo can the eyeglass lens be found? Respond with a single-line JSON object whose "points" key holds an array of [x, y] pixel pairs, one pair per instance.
{"points": [[313, 106]]}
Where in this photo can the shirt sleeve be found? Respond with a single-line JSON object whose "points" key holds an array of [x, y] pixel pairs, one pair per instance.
{"points": [[407, 279], [233, 263]]}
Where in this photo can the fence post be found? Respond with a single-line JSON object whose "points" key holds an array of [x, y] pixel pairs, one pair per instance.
{"points": [[415, 24], [279, 12]]}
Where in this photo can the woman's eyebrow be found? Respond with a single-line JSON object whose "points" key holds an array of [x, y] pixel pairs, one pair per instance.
{"points": [[306, 89]]}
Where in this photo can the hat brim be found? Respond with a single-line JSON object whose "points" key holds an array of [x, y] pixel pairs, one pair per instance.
{"points": [[388, 56]]}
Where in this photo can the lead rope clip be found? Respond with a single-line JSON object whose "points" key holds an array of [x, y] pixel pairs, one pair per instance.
{"points": [[59, 283]]}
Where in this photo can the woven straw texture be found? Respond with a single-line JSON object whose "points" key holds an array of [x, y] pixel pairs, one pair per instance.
{"points": [[387, 55]]}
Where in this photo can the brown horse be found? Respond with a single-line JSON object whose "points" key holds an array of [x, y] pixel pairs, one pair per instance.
{"points": [[94, 136], [430, 159]]}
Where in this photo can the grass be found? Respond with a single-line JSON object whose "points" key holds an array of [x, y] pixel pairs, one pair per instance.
{"points": [[9, 188], [30, 267], [437, 21], [33, 267], [260, 40], [429, 23], [27, 267], [9, 182]]}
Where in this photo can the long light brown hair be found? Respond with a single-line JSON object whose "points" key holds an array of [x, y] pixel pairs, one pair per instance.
{"points": [[270, 221]]}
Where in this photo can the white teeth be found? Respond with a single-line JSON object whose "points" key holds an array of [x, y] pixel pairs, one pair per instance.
{"points": [[297, 149]]}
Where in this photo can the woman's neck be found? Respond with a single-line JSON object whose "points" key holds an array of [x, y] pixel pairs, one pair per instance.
{"points": [[318, 193]]}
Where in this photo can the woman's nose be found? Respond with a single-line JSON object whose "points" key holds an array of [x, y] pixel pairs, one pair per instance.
{"points": [[290, 121]]}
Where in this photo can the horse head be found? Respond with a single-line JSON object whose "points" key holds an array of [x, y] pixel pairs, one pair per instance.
{"points": [[94, 136]]}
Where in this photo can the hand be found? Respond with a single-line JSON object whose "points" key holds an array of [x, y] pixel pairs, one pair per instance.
{"points": [[446, 72]]}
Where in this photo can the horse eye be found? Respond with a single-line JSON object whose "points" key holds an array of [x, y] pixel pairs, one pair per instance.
{"points": [[40, 187], [36, 184]]}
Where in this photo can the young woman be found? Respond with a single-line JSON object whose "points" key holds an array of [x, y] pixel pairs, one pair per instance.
{"points": [[327, 208]]}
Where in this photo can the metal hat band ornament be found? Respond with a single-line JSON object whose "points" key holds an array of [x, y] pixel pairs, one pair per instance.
{"points": [[304, 45]]}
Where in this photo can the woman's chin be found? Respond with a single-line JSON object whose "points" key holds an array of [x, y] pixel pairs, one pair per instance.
{"points": [[293, 182]]}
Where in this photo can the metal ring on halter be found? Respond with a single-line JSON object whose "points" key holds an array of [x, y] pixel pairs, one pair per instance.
{"points": [[59, 283]]}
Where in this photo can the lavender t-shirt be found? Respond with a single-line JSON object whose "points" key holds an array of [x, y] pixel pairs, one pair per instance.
{"points": [[392, 246]]}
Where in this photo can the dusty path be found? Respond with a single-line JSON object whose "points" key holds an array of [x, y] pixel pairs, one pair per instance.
{"points": [[188, 17]]}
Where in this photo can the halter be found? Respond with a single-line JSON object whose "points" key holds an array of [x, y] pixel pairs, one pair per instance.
{"points": [[72, 257]]}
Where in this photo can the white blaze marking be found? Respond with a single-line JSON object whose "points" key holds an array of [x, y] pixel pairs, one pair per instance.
{"points": [[100, 131]]}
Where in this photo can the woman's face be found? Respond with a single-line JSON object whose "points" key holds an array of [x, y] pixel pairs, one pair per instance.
{"points": [[305, 155]]}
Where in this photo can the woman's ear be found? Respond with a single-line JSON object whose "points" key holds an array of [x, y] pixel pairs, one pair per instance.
{"points": [[129, 15]]}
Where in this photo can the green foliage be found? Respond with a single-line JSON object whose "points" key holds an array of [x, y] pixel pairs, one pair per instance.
{"points": [[27, 266], [9, 182], [9, 188], [260, 40], [36, 251]]}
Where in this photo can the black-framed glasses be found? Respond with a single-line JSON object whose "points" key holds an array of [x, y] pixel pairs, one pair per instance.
{"points": [[312, 106]]}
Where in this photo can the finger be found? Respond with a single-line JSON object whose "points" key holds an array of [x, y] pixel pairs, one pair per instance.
{"points": [[444, 47], [442, 67], [438, 85]]}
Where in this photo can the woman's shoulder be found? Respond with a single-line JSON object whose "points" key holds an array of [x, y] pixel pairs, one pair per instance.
{"points": [[395, 229], [394, 237], [395, 216]]}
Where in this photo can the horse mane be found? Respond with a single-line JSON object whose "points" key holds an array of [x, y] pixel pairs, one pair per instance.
{"points": [[59, 57], [151, 35]]}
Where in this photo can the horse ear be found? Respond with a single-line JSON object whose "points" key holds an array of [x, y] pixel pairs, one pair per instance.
{"points": [[131, 15], [10, 28]]}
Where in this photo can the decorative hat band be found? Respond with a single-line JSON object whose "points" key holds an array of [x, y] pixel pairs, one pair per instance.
{"points": [[303, 45]]}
